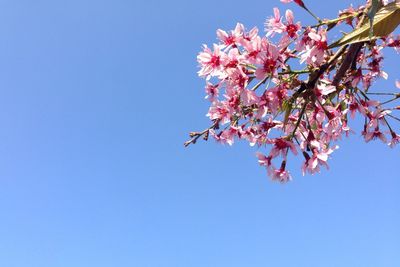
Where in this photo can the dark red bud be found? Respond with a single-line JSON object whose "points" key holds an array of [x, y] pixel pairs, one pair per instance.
{"points": [[283, 165], [300, 3]]}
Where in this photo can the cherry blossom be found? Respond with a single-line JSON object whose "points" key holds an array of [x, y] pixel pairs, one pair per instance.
{"points": [[299, 2], [395, 139], [281, 175], [210, 61], [288, 93]]}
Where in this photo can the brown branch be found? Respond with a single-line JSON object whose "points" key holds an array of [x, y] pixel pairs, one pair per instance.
{"points": [[352, 53], [196, 135]]}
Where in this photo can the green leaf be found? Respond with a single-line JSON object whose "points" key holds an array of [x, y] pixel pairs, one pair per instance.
{"points": [[287, 107], [371, 15], [384, 23]]}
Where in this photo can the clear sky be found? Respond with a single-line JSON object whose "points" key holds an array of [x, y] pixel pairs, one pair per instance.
{"points": [[97, 98]]}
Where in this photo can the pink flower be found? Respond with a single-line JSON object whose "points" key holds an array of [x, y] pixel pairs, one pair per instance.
{"points": [[290, 27], [281, 146], [318, 158], [269, 61], [356, 78], [253, 49], [374, 135], [228, 136], [353, 106], [232, 59], [220, 111], [311, 142], [365, 105], [264, 160], [348, 11], [395, 139], [210, 62], [250, 35], [269, 124], [274, 24], [299, 2], [315, 50], [324, 88], [249, 97], [274, 97], [236, 79], [281, 175], [367, 79], [333, 127], [377, 116], [259, 93], [395, 43], [212, 91], [232, 38]]}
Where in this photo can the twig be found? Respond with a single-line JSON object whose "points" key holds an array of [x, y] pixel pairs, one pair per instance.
{"points": [[196, 135]]}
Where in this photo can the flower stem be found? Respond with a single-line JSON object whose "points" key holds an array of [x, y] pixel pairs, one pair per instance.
{"points": [[260, 83], [294, 72], [299, 120], [312, 14]]}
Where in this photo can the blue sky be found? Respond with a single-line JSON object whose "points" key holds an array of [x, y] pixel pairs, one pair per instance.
{"points": [[97, 98]]}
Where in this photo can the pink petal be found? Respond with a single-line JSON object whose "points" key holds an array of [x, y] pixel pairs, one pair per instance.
{"points": [[289, 16]]}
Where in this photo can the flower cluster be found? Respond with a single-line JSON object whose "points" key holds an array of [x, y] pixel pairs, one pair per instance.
{"points": [[256, 95]]}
